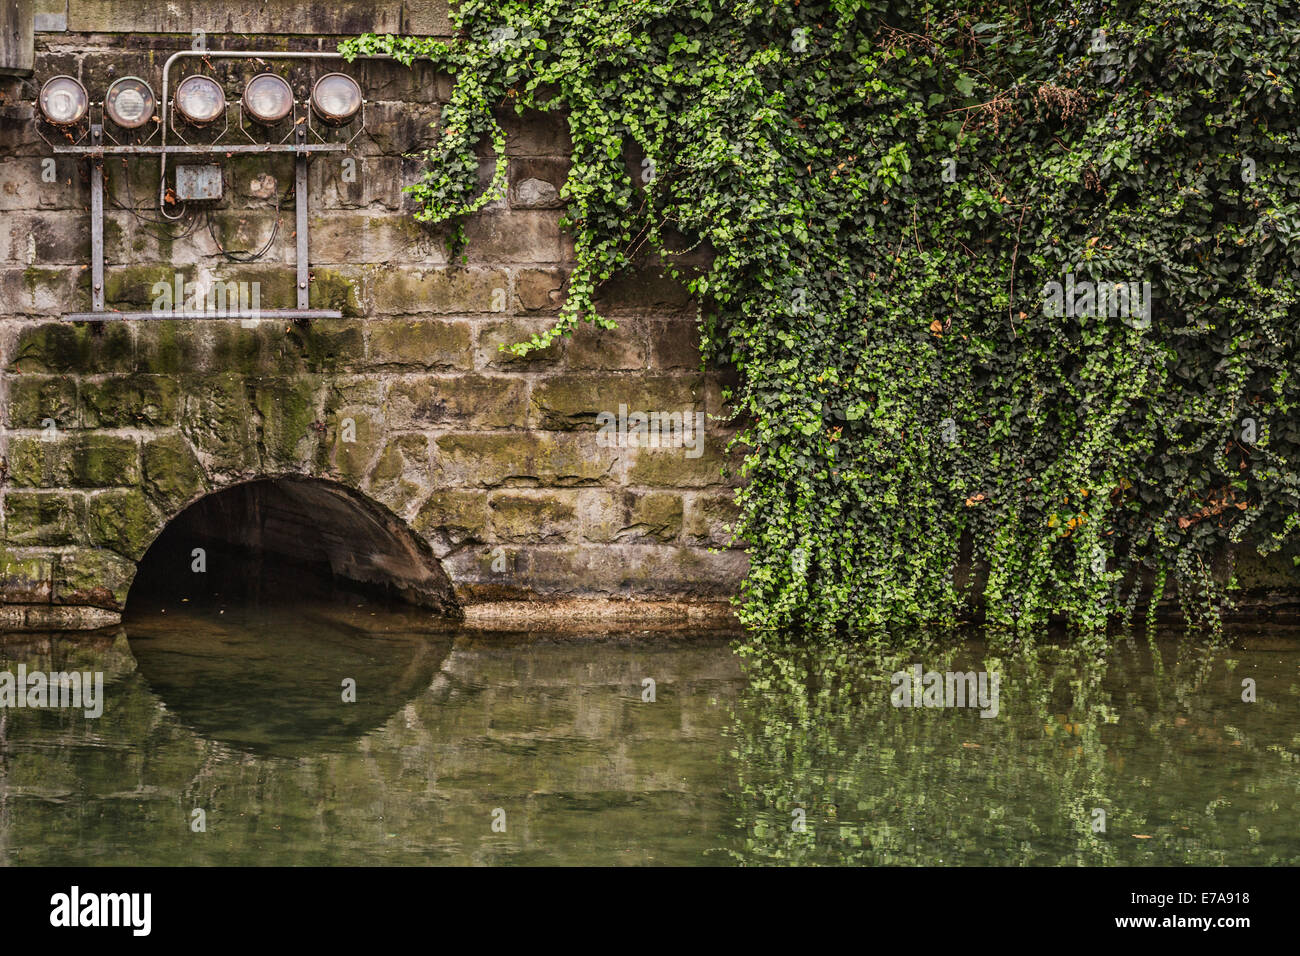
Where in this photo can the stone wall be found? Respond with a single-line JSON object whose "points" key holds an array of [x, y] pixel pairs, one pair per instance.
{"points": [[110, 429]]}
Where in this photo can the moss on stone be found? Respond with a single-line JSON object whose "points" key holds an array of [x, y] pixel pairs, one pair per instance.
{"points": [[286, 411], [23, 577], [130, 401], [122, 521], [331, 290], [37, 399], [172, 474], [93, 577], [36, 278], [47, 519], [134, 288]]}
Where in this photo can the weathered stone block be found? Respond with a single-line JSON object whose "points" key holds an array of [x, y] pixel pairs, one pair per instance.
{"points": [[229, 346], [421, 82], [52, 237], [66, 347], [379, 181], [643, 291], [285, 411], [456, 515], [534, 133], [575, 401], [536, 181], [44, 518], [618, 569], [591, 347], [674, 345], [653, 515], [332, 289], [540, 290], [77, 461], [402, 127], [495, 458], [16, 179], [430, 344], [426, 18], [169, 347], [35, 400], [353, 439], [18, 136], [243, 16], [44, 292], [324, 345], [130, 401], [532, 515], [708, 515], [172, 474], [535, 194], [488, 353], [364, 389], [26, 577], [603, 513], [440, 291], [400, 478], [348, 238], [216, 417], [123, 521], [476, 401], [672, 468], [92, 577], [523, 236], [146, 288], [246, 230]]}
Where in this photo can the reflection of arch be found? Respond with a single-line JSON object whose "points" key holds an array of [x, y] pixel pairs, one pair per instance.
{"points": [[317, 528], [271, 680]]}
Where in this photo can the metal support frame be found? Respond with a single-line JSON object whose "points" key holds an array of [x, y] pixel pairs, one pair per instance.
{"points": [[97, 149], [300, 210], [97, 222]]}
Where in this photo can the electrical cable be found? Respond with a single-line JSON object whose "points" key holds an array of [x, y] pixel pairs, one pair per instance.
{"points": [[245, 255]]}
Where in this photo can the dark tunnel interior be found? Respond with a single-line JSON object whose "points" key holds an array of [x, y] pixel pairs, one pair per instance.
{"points": [[286, 540]]}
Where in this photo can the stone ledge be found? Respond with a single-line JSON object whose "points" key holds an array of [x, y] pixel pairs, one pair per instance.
{"points": [[55, 617], [598, 613]]}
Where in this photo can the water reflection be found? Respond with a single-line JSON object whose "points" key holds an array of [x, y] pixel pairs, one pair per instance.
{"points": [[551, 728], [1156, 737], [286, 680], [241, 715]]}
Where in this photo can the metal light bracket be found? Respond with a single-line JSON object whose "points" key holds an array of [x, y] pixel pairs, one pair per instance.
{"points": [[94, 146]]}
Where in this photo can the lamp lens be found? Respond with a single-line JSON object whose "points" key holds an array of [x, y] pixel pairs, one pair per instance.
{"points": [[200, 99], [129, 102], [267, 98], [63, 100], [336, 98]]}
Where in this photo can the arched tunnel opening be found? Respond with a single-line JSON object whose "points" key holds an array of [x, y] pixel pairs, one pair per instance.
{"points": [[288, 614], [288, 540]]}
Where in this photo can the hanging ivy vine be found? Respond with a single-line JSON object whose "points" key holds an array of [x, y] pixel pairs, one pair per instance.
{"points": [[889, 190]]}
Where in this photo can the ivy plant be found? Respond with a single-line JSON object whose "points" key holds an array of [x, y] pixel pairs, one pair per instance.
{"points": [[1011, 288]]}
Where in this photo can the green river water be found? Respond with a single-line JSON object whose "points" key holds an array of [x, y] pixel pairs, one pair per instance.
{"points": [[469, 747]]}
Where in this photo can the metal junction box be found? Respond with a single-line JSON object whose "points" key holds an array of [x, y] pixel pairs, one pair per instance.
{"points": [[198, 183]]}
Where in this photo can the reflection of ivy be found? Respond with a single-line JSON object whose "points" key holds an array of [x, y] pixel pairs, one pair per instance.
{"points": [[887, 188], [897, 786]]}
